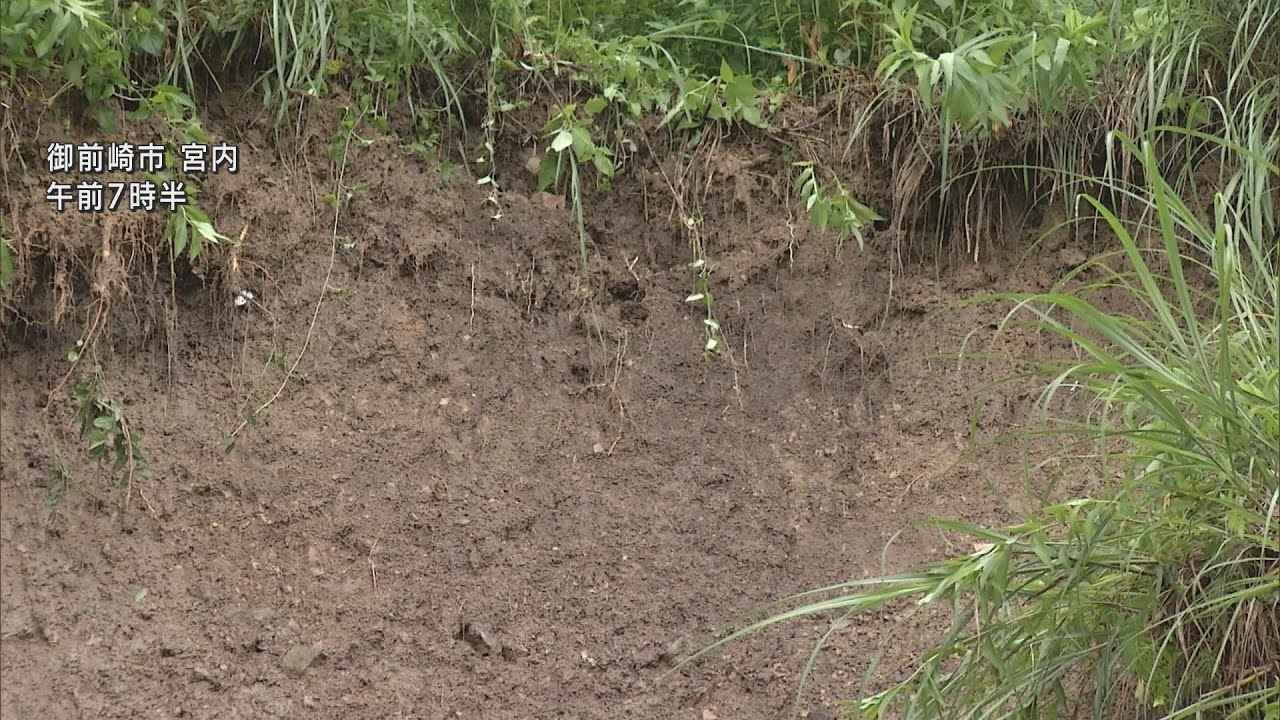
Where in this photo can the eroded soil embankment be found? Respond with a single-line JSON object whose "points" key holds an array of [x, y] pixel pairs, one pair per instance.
{"points": [[485, 494]]}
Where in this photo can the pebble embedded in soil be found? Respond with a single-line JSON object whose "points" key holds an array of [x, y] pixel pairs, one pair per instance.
{"points": [[300, 657]]}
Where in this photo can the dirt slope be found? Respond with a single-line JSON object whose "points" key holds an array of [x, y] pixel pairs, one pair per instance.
{"points": [[486, 494]]}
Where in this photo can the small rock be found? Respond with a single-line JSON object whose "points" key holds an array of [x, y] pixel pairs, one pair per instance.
{"points": [[709, 714], [20, 624], [300, 657], [653, 656], [199, 674], [511, 653], [479, 638]]}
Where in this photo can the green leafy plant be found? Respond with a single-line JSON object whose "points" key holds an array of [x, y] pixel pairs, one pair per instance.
{"points": [[104, 425], [972, 81], [388, 41], [6, 262], [572, 146], [713, 340], [73, 36], [347, 130], [729, 97], [175, 109], [143, 29], [571, 140], [838, 212], [300, 33], [188, 228]]}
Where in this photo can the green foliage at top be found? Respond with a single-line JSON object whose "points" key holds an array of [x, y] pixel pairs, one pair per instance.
{"points": [[984, 60], [985, 65], [70, 37]]}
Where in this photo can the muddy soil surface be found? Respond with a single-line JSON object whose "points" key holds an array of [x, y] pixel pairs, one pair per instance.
{"points": [[485, 492]]}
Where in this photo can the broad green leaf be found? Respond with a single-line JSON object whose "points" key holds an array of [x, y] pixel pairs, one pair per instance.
{"points": [[549, 171], [820, 214], [151, 43], [740, 91], [1060, 52], [73, 71], [751, 114], [197, 244], [6, 265], [179, 228], [1043, 61], [52, 35], [583, 146], [603, 164], [562, 140], [205, 230], [195, 214], [595, 105]]}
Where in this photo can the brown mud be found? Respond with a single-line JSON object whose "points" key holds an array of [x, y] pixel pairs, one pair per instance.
{"points": [[486, 492]]}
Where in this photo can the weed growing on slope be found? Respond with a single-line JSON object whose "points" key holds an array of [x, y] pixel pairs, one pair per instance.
{"points": [[837, 211], [104, 426]]}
